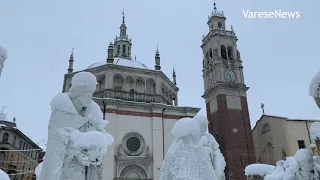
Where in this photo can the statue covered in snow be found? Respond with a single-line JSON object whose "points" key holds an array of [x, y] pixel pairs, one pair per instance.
{"points": [[185, 159], [212, 147], [72, 153], [3, 57]]}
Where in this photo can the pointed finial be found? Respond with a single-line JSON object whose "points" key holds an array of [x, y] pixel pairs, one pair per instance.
{"points": [[123, 17], [214, 6], [174, 71], [135, 57], [231, 28], [72, 52], [157, 52]]}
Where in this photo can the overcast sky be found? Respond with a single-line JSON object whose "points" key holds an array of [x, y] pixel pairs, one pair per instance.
{"points": [[280, 56]]}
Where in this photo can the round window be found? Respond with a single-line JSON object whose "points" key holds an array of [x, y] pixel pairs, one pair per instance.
{"points": [[133, 144]]}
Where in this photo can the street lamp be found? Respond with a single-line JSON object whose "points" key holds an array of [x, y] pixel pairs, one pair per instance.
{"points": [[3, 57]]}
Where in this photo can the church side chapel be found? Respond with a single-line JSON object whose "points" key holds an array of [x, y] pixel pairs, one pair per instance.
{"points": [[141, 105]]}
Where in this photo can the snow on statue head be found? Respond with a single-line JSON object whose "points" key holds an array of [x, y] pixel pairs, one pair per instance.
{"points": [[88, 147], [203, 122], [83, 85], [187, 130]]}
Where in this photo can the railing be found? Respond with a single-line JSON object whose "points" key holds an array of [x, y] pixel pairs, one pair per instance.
{"points": [[131, 96]]}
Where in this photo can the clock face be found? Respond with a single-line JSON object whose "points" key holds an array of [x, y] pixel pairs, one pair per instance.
{"points": [[230, 76]]}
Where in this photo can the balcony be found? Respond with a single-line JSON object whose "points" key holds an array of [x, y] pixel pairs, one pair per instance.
{"points": [[131, 96]]}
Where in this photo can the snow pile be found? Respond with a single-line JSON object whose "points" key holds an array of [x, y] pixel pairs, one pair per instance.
{"points": [[38, 170], [314, 86], [3, 175], [3, 52], [258, 169], [300, 167], [315, 130]]}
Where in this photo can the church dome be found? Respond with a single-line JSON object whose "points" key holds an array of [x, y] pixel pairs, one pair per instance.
{"points": [[122, 62]]}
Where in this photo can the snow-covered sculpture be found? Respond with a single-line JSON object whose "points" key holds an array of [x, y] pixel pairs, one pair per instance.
{"points": [[3, 175], [212, 147], [74, 109], [185, 159], [3, 57], [38, 170]]}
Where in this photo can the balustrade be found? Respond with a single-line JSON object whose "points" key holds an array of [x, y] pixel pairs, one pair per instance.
{"points": [[131, 96]]}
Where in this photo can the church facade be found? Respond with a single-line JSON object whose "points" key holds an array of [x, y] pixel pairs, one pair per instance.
{"points": [[141, 105], [225, 96]]}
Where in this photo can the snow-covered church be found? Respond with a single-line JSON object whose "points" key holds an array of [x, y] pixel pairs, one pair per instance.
{"points": [[142, 106]]}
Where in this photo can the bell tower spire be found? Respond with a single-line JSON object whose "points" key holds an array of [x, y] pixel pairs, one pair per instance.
{"points": [[70, 70], [122, 44], [157, 60], [225, 96]]}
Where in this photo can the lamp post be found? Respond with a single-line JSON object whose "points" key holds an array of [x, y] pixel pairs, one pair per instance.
{"points": [[3, 57]]}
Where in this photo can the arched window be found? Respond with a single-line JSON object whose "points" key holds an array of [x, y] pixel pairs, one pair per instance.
{"points": [[223, 52], [265, 128], [118, 50], [2, 155], [211, 55], [5, 138], [207, 58], [230, 52], [124, 50], [219, 25]]}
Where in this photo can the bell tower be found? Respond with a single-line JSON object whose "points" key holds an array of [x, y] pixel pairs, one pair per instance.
{"points": [[225, 96]]}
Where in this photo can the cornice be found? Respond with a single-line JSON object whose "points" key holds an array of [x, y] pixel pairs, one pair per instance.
{"points": [[148, 106], [225, 85]]}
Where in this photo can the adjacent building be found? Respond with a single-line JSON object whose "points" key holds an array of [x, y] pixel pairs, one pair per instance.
{"points": [[278, 137], [225, 96], [142, 106], [18, 153]]}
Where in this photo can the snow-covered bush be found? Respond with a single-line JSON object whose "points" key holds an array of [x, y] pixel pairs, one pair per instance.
{"points": [[314, 88], [315, 130], [3, 175], [303, 166]]}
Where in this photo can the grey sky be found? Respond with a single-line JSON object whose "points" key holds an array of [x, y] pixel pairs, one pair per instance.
{"points": [[280, 56]]}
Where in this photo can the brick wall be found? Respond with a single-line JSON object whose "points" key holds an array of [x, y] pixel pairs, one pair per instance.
{"points": [[233, 132]]}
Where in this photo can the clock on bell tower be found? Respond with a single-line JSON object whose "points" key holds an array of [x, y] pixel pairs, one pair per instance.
{"points": [[225, 96]]}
